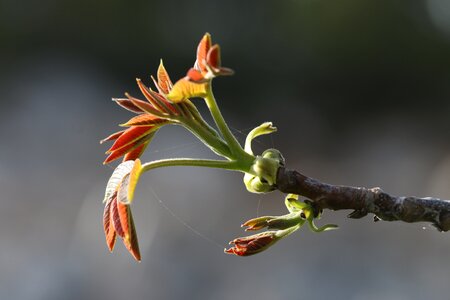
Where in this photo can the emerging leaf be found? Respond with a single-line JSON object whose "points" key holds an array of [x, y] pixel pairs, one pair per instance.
{"points": [[128, 105], [195, 76], [202, 52], [213, 59], [131, 243], [115, 218], [130, 136], [264, 128], [108, 226], [112, 137], [164, 82], [144, 120], [137, 152], [135, 174], [185, 89], [127, 187], [115, 179]]}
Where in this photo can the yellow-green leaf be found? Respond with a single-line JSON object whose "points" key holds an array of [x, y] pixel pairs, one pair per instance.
{"points": [[185, 89], [134, 178]]}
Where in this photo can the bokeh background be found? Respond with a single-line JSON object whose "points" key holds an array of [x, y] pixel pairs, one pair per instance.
{"points": [[359, 90]]}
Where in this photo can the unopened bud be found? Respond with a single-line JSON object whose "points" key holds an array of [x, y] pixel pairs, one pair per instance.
{"points": [[262, 176], [275, 155], [274, 222], [249, 245]]}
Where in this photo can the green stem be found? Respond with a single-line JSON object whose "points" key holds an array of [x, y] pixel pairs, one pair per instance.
{"points": [[216, 144], [196, 115], [208, 163], [234, 145]]}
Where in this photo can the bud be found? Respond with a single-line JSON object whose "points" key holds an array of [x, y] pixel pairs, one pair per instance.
{"points": [[253, 244], [257, 223], [262, 175], [257, 185], [275, 155], [272, 222]]}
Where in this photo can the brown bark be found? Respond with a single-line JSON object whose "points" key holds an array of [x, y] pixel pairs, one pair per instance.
{"points": [[363, 200]]}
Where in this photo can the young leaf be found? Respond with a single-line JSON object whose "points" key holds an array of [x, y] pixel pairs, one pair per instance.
{"points": [[115, 179]]}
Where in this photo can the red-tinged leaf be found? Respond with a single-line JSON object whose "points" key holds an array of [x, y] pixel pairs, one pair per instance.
{"points": [[225, 71], [115, 218], [128, 105], [195, 75], [145, 120], [128, 148], [167, 105], [137, 152], [118, 153], [145, 106], [124, 217], [130, 136], [131, 243], [213, 57], [202, 52], [112, 137], [173, 109], [149, 96], [164, 82], [108, 227], [155, 82]]}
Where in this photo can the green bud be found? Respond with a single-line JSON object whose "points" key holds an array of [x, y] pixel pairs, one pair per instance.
{"points": [[257, 185], [286, 221], [275, 155], [274, 222], [262, 175]]}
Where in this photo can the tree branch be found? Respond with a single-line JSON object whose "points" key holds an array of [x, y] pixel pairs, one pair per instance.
{"points": [[363, 200]]}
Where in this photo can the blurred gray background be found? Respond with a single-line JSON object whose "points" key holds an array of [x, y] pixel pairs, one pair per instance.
{"points": [[360, 93]]}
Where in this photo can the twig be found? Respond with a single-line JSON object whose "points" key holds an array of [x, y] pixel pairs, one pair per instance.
{"points": [[363, 200]]}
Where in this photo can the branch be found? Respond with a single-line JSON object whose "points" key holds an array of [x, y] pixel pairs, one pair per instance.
{"points": [[363, 200]]}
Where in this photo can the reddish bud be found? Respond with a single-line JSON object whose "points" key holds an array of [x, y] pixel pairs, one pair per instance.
{"points": [[195, 76], [252, 244]]}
